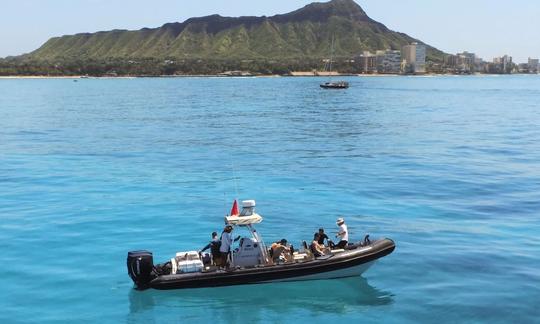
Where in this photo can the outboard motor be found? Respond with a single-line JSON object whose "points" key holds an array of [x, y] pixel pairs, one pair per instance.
{"points": [[140, 265]]}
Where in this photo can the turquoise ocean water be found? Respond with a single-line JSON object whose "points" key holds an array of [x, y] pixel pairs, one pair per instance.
{"points": [[448, 167]]}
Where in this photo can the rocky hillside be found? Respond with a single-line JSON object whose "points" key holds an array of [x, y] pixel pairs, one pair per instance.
{"points": [[302, 34]]}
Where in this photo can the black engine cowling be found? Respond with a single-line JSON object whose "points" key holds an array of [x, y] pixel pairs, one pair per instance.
{"points": [[140, 265]]}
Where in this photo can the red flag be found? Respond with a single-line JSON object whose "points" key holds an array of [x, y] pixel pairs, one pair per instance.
{"points": [[234, 209]]}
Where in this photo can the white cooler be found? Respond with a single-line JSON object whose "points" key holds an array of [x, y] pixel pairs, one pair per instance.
{"points": [[190, 266], [188, 262]]}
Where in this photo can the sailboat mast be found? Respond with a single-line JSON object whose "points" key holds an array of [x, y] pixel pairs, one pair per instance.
{"points": [[331, 58]]}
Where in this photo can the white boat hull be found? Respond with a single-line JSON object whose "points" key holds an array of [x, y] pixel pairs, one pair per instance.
{"points": [[341, 273]]}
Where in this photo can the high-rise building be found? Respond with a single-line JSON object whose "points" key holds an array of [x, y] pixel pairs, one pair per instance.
{"points": [[501, 65], [408, 52], [467, 58], [414, 56], [451, 60], [367, 62], [461, 62], [506, 59], [420, 65], [534, 65], [507, 63], [388, 61]]}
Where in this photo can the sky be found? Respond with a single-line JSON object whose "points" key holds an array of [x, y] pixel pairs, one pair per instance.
{"points": [[487, 28]]}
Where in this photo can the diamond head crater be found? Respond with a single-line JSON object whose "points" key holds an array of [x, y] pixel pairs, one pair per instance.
{"points": [[277, 45]]}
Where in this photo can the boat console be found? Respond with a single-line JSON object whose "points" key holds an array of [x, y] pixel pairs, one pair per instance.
{"points": [[247, 254]]}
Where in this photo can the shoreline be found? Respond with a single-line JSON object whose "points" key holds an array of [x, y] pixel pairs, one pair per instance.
{"points": [[76, 77]]}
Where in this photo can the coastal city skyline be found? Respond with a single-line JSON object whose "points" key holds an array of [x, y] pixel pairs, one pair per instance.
{"points": [[478, 30], [411, 59]]}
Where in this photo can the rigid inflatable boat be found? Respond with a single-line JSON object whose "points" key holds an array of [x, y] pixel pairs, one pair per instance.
{"points": [[250, 262]]}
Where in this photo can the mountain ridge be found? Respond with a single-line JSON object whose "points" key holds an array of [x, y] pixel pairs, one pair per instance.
{"points": [[301, 34], [308, 12]]}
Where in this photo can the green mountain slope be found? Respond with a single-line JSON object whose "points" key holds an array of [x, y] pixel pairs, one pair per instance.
{"points": [[302, 34]]}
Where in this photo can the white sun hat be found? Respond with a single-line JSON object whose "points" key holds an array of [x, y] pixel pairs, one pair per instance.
{"points": [[340, 220]]}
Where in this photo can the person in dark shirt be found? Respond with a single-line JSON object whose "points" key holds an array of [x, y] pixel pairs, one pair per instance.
{"points": [[214, 247], [322, 237]]}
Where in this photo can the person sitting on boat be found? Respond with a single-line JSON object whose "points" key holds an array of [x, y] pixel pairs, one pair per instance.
{"points": [[322, 237], [317, 248], [280, 250], [214, 245], [226, 243], [343, 234]]}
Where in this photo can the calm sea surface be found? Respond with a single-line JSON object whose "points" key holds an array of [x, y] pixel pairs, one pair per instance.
{"points": [[448, 167]]}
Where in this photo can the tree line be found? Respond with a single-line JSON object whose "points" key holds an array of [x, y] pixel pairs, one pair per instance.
{"points": [[172, 66]]}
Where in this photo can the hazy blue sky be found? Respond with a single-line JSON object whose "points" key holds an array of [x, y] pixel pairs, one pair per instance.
{"points": [[488, 28]]}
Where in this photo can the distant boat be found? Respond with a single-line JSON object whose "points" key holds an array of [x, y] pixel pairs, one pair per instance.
{"points": [[335, 85], [328, 67]]}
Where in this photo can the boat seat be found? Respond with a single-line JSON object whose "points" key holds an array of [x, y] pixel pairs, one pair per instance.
{"points": [[307, 250], [337, 250], [299, 256]]}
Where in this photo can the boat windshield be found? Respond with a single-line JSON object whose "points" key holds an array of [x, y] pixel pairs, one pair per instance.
{"points": [[247, 211]]}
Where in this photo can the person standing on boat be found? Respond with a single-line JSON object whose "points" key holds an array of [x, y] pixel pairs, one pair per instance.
{"points": [[226, 243], [343, 234], [214, 248]]}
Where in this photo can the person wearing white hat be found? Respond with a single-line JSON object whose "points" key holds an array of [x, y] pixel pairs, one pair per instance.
{"points": [[343, 234]]}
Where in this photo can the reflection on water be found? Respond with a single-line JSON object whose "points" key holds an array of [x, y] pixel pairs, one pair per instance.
{"points": [[258, 302]]}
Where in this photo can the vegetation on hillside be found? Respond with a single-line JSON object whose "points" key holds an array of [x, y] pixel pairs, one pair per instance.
{"points": [[297, 40], [155, 67]]}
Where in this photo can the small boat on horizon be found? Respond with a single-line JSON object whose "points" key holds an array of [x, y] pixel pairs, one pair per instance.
{"points": [[335, 85], [251, 262], [328, 67]]}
